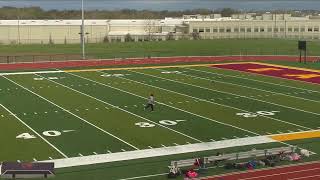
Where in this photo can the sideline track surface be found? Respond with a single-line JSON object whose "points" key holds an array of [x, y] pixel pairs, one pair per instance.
{"points": [[307, 171], [142, 61]]}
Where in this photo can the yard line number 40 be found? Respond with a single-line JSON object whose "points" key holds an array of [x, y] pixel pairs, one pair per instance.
{"points": [[50, 133]]}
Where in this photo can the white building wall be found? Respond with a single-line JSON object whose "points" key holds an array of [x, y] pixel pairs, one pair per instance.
{"points": [[67, 31]]}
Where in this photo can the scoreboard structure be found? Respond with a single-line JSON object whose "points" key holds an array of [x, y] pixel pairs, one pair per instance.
{"points": [[302, 46], [13, 170]]}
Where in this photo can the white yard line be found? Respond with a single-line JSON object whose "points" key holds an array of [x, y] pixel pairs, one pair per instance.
{"points": [[122, 109], [169, 106], [234, 76], [146, 176], [157, 152], [184, 110], [210, 101], [34, 131], [201, 87], [197, 77], [70, 112], [33, 72]]}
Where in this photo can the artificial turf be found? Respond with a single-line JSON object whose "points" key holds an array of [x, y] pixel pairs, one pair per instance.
{"points": [[103, 112]]}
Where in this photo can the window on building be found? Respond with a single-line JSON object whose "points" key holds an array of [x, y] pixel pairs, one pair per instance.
{"points": [[256, 29], [296, 29], [316, 29], [290, 29], [302, 29], [221, 30], [276, 29], [310, 29], [236, 30], [249, 29], [118, 39], [228, 29], [208, 30], [242, 29], [281, 29], [215, 30], [270, 29], [201, 30], [195, 30], [261, 29]]}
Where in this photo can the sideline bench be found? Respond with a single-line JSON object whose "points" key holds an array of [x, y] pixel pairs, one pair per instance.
{"points": [[235, 156]]}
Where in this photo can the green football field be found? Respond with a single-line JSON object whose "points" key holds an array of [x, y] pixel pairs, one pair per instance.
{"points": [[66, 114]]}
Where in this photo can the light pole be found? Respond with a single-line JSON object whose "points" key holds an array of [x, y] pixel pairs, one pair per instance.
{"points": [[82, 31], [19, 37]]}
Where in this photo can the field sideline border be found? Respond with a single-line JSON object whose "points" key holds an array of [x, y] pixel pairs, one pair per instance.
{"points": [[150, 67]]}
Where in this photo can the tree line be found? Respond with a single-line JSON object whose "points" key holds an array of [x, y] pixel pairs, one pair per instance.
{"points": [[8, 13]]}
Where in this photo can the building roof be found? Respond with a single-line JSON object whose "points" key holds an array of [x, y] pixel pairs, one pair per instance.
{"points": [[167, 21]]}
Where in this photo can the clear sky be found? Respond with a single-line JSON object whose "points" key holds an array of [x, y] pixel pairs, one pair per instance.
{"points": [[168, 4]]}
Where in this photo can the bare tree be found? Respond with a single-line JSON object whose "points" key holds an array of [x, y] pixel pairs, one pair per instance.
{"points": [[150, 28], [195, 36], [170, 36], [128, 38]]}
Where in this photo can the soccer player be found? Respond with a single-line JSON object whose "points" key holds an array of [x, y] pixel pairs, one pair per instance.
{"points": [[150, 103]]}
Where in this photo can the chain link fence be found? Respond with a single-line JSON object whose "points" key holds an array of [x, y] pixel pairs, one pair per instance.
{"points": [[21, 58]]}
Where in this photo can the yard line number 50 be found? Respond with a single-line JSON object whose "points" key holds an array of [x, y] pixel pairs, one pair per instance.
{"points": [[163, 122], [258, 113]]}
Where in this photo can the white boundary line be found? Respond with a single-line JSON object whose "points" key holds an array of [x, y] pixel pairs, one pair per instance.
{"points": [[205, 78], [70, 113], [30, 72], [239, 95], [223, 104], [145, 176], [34, 131], [122, 109], [250, 79], [158, 152], [251, 132], [298, 132]]}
